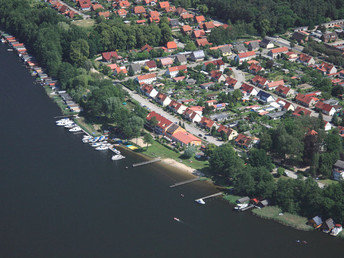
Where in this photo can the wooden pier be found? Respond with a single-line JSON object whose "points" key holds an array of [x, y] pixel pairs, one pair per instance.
{"points": [[146, 162], [209, 196], [185, 182]]}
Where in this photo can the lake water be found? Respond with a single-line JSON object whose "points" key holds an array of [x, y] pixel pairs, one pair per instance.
{"points": [[61, 198]]}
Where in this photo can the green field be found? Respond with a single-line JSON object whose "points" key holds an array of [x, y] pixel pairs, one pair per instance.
{"points": [[159, 150], [272, 212], [88, 23]]}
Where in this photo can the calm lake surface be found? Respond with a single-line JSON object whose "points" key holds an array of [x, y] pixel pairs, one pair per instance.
{"points": [[61, 198]]}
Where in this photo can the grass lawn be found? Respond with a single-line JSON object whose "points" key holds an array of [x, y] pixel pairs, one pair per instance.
{"points": [[87, 127], [84, 23], [272, 212], [328, 181], [231, 198], [158, 150]]}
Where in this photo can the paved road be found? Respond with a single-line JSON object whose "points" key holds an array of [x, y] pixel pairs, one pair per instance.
{"points": [[294, 175], [189, 127], [285, 43], [84, 16]]}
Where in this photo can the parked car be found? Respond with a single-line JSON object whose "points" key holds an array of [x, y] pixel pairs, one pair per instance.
{"points": [[200, 135]]}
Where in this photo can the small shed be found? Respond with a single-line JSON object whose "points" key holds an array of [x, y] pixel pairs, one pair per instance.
{"points": [[243, 199], [328, 225], [263, 203], [316, 222]]}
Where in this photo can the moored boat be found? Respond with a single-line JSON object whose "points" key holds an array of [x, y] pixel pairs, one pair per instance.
{"points": [[337, 229], [117, 157]]}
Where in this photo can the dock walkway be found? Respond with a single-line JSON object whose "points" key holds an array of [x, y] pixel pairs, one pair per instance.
{"points": [[185, 182], [146, 162], [209, 196]]}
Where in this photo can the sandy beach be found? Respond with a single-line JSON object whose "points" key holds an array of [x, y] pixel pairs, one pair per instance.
{"points": [[180, 166]]}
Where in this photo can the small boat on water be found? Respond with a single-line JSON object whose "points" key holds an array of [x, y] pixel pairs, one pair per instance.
{"points": [[200, 201], [75, 129], [116, 151], [70, 125], [10, 50], [102, 147], [337, 229], [96, 144], [241, 206], [117, 157], [176, 219]]}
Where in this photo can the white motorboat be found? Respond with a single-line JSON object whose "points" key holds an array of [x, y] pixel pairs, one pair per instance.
{"points": [[96, 144], [117, 157], [337, 229], [241, 206], [102, 147], [75, 129], [70, 125], [116, 151], [200, 201]]}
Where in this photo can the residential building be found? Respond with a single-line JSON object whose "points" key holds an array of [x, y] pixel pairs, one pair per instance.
{"points": [[259, 81], [232, 83], [163, 99], [208, 26], [200, 19], [255, 68], [241, 57], [202, 42], [284, 91], [266, 43], [265, 97], [135, 68], [146, 78], [253, 45], [248, 90], [300, 111], [338, 170], [151, 66], [109, 56], [306, 100], [300, 36], [197, 55], [239, 48], [147, 48], [186, 29], [177, 107], [327, 68], [231, 133], [217, 76], [243, 141], [167, 61], [162, 123], [172, 129], [274, 85], [327, 109], [149, 91], [306, 59], [329, 36], [207, 123], [192, 115], [225, 50], [171, 46], [198, 34], [173, 71], [181, 59], [154, 16], [174, 24], [276, 52], [185, 138], [139, 9]]}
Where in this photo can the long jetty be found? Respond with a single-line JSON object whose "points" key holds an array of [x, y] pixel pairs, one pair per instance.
{"points": [[209, 196], [185, 182], [146, 162]]}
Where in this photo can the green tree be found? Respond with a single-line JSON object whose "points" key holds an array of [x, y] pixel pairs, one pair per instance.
{"points": [[148, 139]]}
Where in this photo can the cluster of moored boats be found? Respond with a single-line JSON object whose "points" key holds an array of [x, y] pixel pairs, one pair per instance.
{"points": [[100, 143]]}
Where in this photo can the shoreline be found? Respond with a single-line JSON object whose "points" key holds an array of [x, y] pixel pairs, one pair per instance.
{"points": [[186, 170]]}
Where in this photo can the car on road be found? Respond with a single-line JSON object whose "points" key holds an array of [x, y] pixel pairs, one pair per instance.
{"points": [[200, 135], [204, 137]]}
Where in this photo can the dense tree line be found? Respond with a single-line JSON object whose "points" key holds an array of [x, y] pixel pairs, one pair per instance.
{"points": [[254, 178], [64, 49], [270, 16]]}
